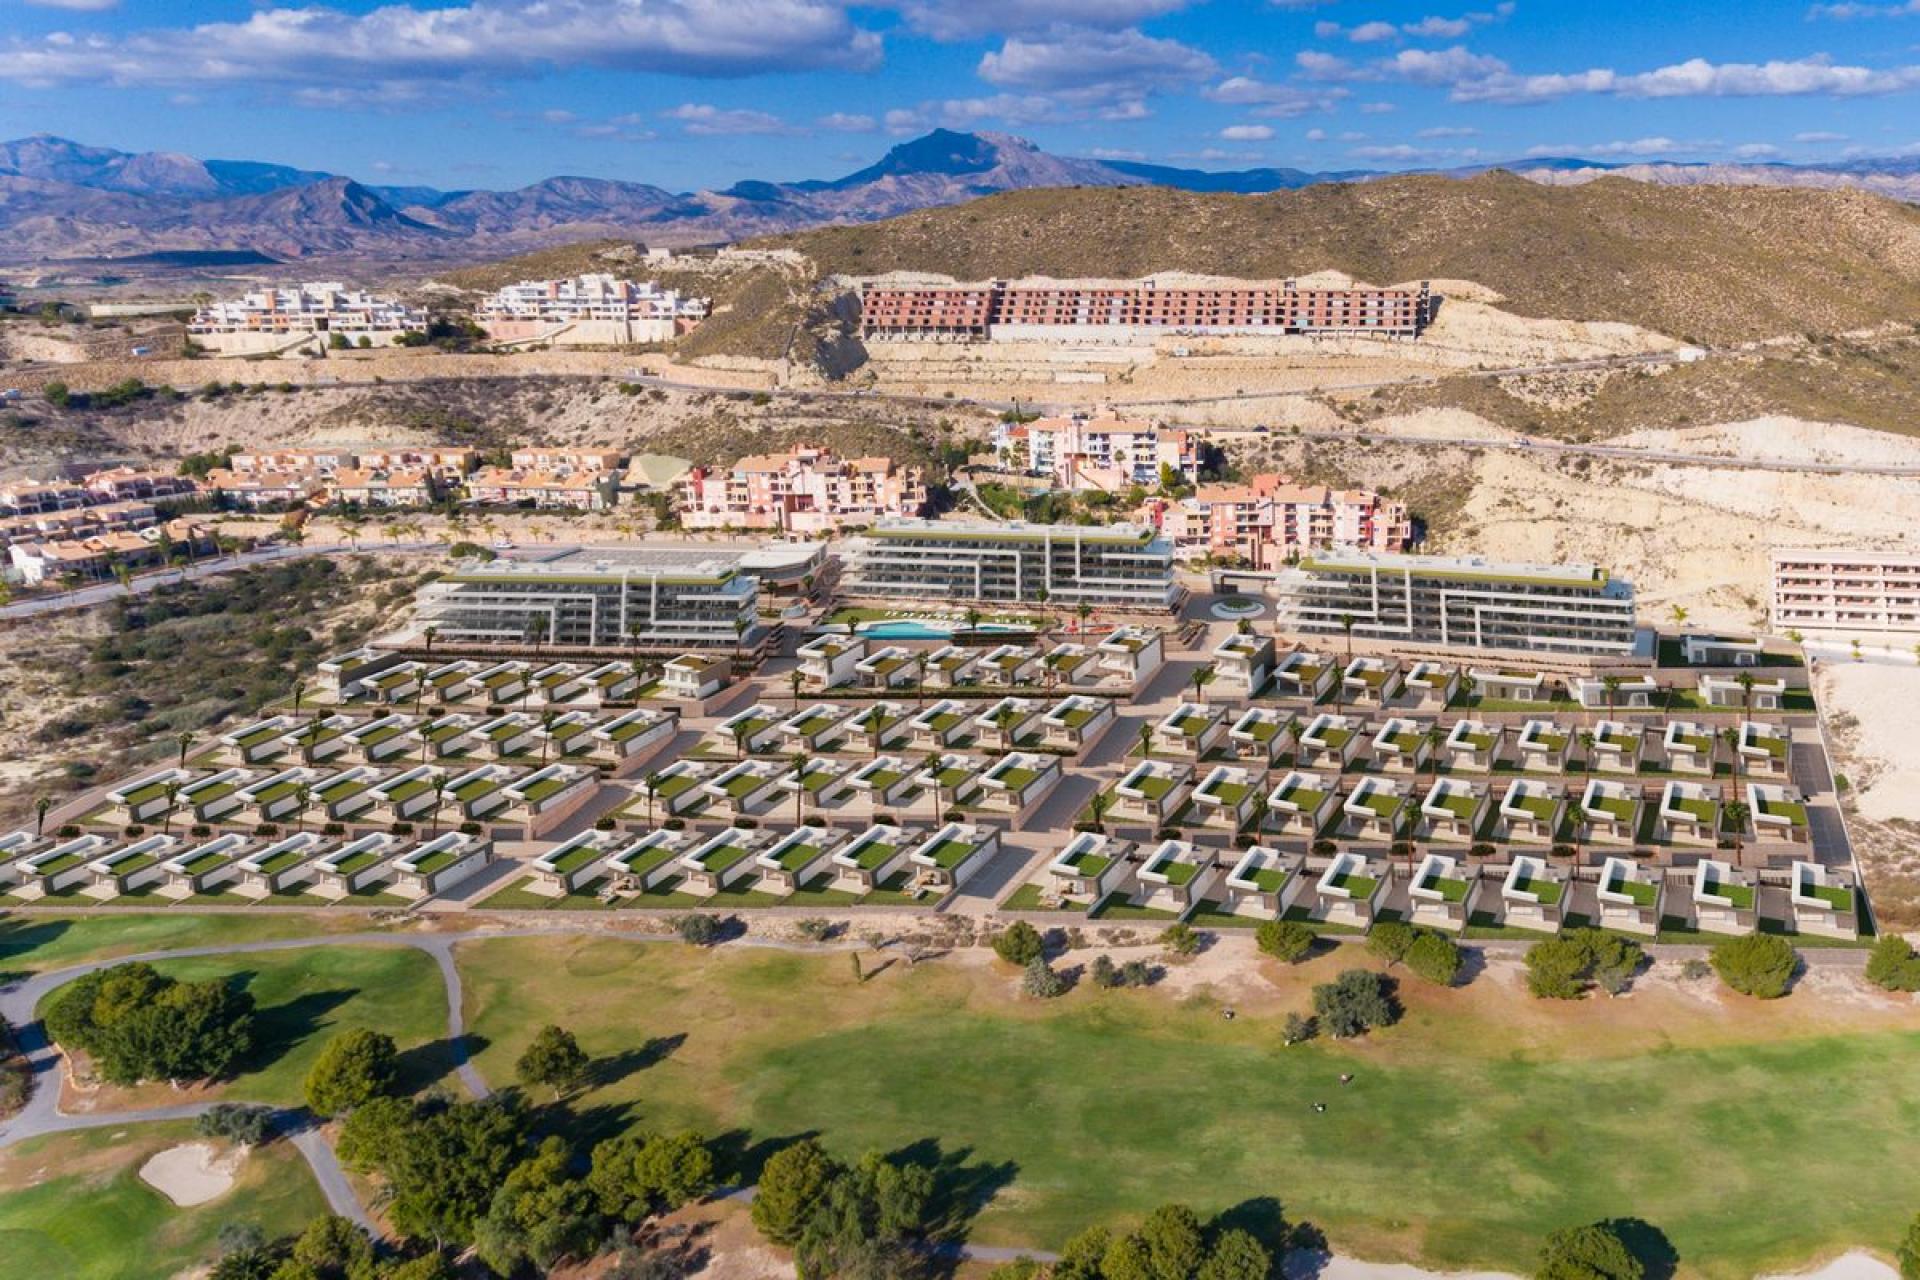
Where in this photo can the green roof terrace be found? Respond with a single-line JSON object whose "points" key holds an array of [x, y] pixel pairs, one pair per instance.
{"points": [[575, 858], [1544, 890], [1738, 896], [950, 853], [1640, 892], [1450, 888]]}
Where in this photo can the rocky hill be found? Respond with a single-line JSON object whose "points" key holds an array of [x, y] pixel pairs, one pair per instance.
{"points": [[1705, 264]]}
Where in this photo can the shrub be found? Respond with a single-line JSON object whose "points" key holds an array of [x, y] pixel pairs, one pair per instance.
{"points": [[1181, 938], [68, 830], [1136, 973], [1287, 940], [1298, 1028], [1695, 969], [1040, 981], [1435, 957], [675, 824], [1353, 1004], [555, 1059], [334, 829], [817, 930], [236, 1122], [697, 930], [1020, 944], [1104, 973], [355, 1067], [605, 824], [1759, 964], [1893, 965]]}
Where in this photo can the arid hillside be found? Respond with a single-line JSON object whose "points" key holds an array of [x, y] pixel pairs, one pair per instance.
{"points": [[1705, 264]]}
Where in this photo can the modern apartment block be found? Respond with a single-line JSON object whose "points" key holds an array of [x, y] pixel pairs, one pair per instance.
{"points": [[588, 310], [1459, 603], [1270, 518], [1041, 308], [653, 598], [281, 319], [1853, 591], [1120, 566], [808, 490], [1101, 452]]}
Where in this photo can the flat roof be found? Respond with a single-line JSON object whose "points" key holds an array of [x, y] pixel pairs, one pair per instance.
{"points": [[1000, 531], [1458, 568]]}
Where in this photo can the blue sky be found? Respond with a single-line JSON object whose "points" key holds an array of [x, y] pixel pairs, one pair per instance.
{"points": [[692, 93]]}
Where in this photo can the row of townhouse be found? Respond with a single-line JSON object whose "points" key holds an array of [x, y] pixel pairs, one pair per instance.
{"points": [[1042, 308], [274, 318], [585, 480], [78, 523], [1101, 452], [110, 485], [807, 490], [1270, 519], [588, 310], [95, 555], [457, 459]]}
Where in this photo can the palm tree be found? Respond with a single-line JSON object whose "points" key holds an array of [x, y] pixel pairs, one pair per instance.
{"points": [[973, 616], [307, 753], [440, 785], [1257, 815], [1731, 736], [1202, 677], [121, 574], [1745, 681], [1146, 741], [1435, 736], [739, 638], [919, 661], [931, 767], [538, 628], [738, 732], [40, 807], [547, 719], [172, 790], [1679, 613], [1004, 719], [794, 681], [653, 786], [1586, 748], [302, 798], [1611, 683], [185, 739], [1467, 687], [1097, 806], [1735, 815], [1579, 817], [1083, 611], [430, 633], [799, 763], [299, 692], [1347, 622]]}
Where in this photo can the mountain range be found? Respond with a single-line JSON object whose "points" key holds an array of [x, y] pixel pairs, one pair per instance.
{"points": [[65, 201]]}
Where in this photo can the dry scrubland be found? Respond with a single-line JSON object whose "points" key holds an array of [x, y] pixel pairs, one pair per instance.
{"points": [[1871, 714]]}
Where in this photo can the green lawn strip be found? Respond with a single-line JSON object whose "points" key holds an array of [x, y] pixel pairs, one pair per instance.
{"points": [[1116, 907], [303, 997], [518, 897], [1546, 891], [781, 1044], [107, 1224], [1358, 887], [1740, 896], [949, 854], [1028, 898], [1835, 896], [1450, 890], [35, 944]]}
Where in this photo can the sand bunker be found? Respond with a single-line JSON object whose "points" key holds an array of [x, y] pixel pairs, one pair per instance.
{"points": [[191, 1174]]}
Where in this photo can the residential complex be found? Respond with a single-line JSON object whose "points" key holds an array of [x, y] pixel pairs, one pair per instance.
{"points": [[1269, 519], [1101, 452], [1459, 603], [1851, 591], [271, 319], [808, 490], [588, 310], [1041, 308], [656, 597], [1119, 566]]}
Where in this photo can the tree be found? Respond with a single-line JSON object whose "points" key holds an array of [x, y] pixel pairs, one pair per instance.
{"points": [[1287, 940], [1040, 981], [1298, 1028], [355, 1067], [1563, 968], [1353, 1004], [236, 1122], [1175, 1244], [792, 1184], [540, 1214], [1146, 741], [332, 1248], [445, 1166], [1236, 1255], [554, 1059], [1908, 1255], [1020, 944], [1390, 940], [638, 1175], [139, 1025], [184, 739], [1594, 1252], [1434, 957], [40, 807], [1180, 938], [1103, 973], [1757, 964], [1892, 965], [1081, 1256]]}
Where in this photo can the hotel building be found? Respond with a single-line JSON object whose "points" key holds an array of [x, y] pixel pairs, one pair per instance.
{"points": [[1118, 566], [1459, 603], [588, 310], [1270, 518], [277, 319], [1856, 592], [1103, 452]]}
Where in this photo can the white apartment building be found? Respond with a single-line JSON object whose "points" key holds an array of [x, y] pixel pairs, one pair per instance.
{"points": [[1459, 603], [808, 490], [274, 319], [588, 310], [1102, 452], [1857, 592], [1121, 566]]}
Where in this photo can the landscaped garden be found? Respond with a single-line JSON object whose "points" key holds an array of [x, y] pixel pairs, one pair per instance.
{"points": [[1469, 1092]]}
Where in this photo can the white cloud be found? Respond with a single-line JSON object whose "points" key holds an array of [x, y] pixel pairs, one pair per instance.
{"points": [[1246, 133], [1114, 153], [1283, 101], [901, 120], [1398, 151], [1371, 32], [1756, 151], [1432, 27], [971, 19], [400, 46], [1628, 147], [1447, 131], [1377, 108], [708, 121], [1316, 135], [842, 122], [1819, 135], [1695, 77], [76, 6], [1848, 12], [1066, 58]]}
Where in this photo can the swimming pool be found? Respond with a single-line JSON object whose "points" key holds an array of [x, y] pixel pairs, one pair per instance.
{"points": [[914, 629]]}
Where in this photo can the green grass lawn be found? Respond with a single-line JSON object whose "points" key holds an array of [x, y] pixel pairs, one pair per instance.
{"points": [[94, 1219], [39, 942], [302, 998], [1466, 1135]]}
